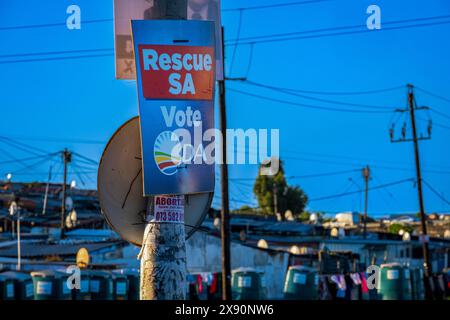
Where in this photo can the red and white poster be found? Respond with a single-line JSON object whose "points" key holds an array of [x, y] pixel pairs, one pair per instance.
{"points": [[169, 209], [177, 72]]}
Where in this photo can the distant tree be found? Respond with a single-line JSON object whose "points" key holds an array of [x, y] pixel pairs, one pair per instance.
{"points": [[288, 197], [396, 227], [304, 216]]}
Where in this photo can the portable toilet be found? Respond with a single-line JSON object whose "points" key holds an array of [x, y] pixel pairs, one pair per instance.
{"points": [[101, 285], [120, 288], [247, 284], [23, 284], [6, 288], [407, 284], [51, 285], [301, 283], [418, 291], [394, 282], [84, 292], [133, 282]]}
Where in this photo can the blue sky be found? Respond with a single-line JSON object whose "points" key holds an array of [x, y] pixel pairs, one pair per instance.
{"points": [[78, 104]]}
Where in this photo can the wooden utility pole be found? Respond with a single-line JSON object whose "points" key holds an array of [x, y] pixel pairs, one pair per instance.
{"points": [[423, 218], [275, 198], [67, 157], [225, 212], [412, 107], [366, 175], [163, 252]]}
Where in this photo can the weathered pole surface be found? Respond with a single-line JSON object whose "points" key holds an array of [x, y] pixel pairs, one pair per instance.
{"points": [[163, 252], [163, 262]]}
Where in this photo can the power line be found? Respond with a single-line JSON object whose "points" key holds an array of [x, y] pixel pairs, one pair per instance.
{"points": [[295, 33], [54, 53], [359, 191], [233, 57], [19, 146], [269, 38], [270, 6], [359, 165], [47, 25], [287, 91], [340, 93], [441, 114], [55, 139], [35, 164], [317, 175], [24, 159], [305, 105], [85, 158], [435, 192], [27, 146], [58, 58], [433, 94]]}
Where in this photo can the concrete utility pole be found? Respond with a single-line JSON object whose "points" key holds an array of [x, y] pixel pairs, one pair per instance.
{"points": [[225, 212], [163, 253], [412, 107], [67, 158], [163, 261], [366, 175]]}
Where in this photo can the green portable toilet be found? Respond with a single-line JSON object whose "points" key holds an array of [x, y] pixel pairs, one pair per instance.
{"points": [[418, 290], [406, 284], [120, 288], [51, 285], [394, 282], [133, 282], [7, 291], [247, 284], [301, 283], [101, 285], [23, 284]]}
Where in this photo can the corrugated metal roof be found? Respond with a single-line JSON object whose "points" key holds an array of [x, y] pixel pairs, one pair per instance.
{"points": [[30, 250]]}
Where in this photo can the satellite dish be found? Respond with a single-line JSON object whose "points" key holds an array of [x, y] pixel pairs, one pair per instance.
{"points": [[263, 244], [216, 223], [334, 232], [71, 219], [82, 258], [68, 222], [447, 234], [69, 203], [406, 236], [288, 215], [13, 208], [120, 187], [294, 250]]}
